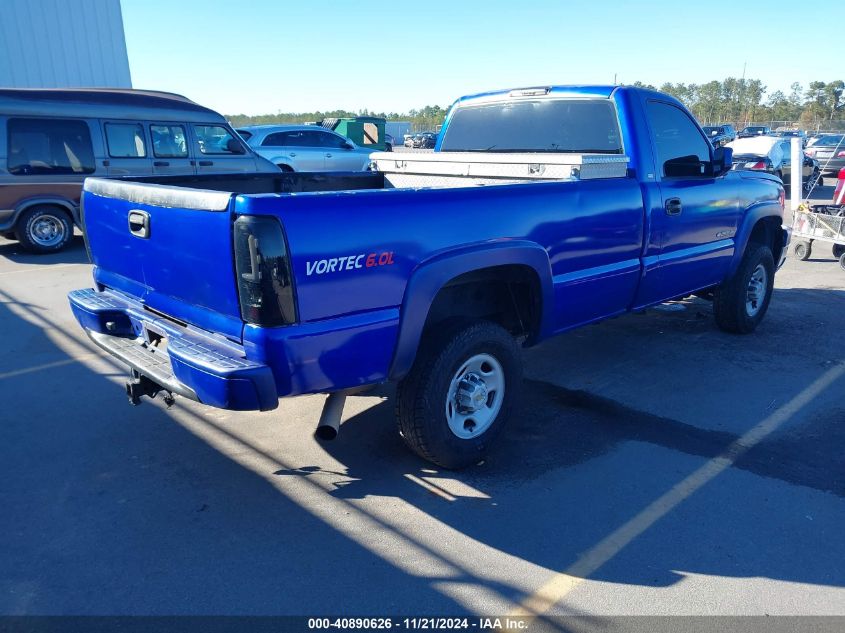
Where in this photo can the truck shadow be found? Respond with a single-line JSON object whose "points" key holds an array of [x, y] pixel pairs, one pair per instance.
{"points": [[111, 509]]}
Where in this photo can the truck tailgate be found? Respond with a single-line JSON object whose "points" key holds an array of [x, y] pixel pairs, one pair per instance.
{"points": [[169, 247]]}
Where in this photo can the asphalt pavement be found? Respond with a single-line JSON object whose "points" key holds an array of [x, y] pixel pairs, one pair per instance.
{"points": [[656, 466]]}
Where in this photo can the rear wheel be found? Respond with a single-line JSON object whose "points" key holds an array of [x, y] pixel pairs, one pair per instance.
{"points": [[802, 250], [459, 394], [44, 229], [811, 181], [740, 303], [838, 250]]}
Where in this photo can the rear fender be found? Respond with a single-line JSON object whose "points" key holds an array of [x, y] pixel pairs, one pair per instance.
{"points": [[431, 275]]}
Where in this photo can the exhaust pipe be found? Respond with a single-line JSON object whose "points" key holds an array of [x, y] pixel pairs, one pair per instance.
{"points": [[329, 425]]}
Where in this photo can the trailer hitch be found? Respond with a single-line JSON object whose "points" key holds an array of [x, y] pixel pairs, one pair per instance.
{"points": [[138, 386]]}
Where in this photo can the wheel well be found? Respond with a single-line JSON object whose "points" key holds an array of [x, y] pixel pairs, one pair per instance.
{"points": [[508, 295], [55, 205], [768, 231], [284, 167]]}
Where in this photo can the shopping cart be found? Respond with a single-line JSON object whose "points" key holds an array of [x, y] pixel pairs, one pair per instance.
{"points": [[819, 223]]}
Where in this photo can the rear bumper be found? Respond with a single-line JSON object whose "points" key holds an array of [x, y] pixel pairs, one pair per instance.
{"points": [[193, 364]]}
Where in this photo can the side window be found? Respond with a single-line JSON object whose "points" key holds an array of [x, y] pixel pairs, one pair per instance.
{"points": [[682, 152], [126, 140], [49, 146], [278, 139], [169, 141], [215, 139], [324, 139]]}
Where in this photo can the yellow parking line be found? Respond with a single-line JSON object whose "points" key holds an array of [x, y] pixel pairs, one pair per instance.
{"points": [[554, 590], [58, 363], [430, 487]]}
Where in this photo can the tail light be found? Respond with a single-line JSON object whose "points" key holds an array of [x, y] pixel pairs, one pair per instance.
{"points": [[810, 152], [841, 154], [782, 200], [755, 165], [265, 283]]}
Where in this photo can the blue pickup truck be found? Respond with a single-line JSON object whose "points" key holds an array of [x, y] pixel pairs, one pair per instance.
{"points": [[539, 211]]}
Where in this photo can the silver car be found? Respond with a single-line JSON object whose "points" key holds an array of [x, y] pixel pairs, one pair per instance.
{"points": [[305, 148]]}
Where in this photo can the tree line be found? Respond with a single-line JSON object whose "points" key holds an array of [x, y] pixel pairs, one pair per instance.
{"points": [[819, 105], [427, 118]]}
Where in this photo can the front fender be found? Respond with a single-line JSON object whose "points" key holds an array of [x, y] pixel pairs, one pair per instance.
{"points": [[431, 275]]}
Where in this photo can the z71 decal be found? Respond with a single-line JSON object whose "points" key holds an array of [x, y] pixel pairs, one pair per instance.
{"points": [[348, 262]]}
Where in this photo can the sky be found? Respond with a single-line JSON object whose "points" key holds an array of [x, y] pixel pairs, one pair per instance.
{"points": [[268, 56]]}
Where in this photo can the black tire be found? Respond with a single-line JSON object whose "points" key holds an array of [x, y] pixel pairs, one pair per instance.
{"points": [[811, 181], [842, 261], [423, 396], [44, 229], [802, 250], [730, 306], [838, 251]]}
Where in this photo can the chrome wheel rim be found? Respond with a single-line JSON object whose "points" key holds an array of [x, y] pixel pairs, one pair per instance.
{"points": [[755, 294], [475, 396], [47, 230]]}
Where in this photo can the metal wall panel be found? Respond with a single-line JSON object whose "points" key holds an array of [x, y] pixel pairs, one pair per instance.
{"points": [[62, 44]]}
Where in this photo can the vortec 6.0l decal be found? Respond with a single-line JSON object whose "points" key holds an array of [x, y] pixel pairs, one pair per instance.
{"points": [[348, 262]]}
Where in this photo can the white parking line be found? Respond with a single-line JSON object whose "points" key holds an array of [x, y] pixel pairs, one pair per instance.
{"points": [[554, 590], [30, 269], [54, 364]]}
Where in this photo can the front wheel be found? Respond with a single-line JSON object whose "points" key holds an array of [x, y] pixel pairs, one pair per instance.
{"points": [[459, 394], [44, 229], [740, 303]]}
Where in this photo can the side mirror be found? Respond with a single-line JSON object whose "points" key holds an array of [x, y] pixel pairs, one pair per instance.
{"points": [[722, 160], [348, 145], [234, 147]]}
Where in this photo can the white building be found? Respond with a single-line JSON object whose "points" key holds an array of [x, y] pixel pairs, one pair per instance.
{"points": [[62, 44]]}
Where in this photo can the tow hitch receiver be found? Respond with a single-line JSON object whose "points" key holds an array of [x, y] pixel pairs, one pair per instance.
{"points": [[138, 386]]}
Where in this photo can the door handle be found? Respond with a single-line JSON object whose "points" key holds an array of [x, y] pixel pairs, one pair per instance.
{"points": [[673, 206], [206, 163], [106, 163], [161, 163], [328, 155], [139, 224], [292, 154]]}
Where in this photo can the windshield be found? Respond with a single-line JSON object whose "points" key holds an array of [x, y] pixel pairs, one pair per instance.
{"points": [[755, 129], [546, 125], [711, 131], [827, 140]]}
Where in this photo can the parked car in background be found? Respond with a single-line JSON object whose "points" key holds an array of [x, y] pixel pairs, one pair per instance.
{"points": [[389, 141], [425, 140], [51, 140], [773, 154], [790, 133], [754, 130], [829, 150], [718, 135], [408, 140], [305, 148]]}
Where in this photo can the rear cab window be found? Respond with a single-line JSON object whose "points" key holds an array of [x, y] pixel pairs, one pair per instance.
{"points": [[49, 146], [541, 125]]}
